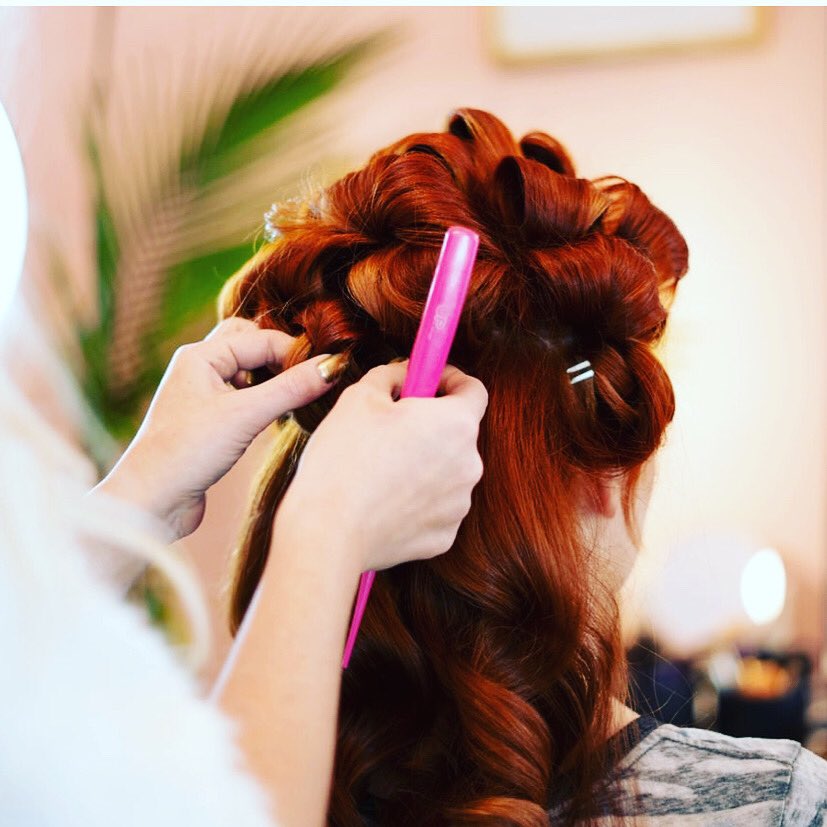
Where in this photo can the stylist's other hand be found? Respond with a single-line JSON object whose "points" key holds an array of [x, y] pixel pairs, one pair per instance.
{"points": [[388, 481], [203, 417]]}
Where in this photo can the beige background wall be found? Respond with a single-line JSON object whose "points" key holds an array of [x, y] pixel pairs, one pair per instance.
{"points": [[731, 143]]}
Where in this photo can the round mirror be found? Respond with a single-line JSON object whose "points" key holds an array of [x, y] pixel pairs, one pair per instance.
{"points": [[13, 213]]}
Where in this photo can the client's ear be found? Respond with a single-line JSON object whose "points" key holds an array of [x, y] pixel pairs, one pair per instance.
{"points": [[603, 495]]}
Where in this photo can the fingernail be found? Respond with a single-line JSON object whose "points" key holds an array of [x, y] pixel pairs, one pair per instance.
{"points": [[333, 367]]}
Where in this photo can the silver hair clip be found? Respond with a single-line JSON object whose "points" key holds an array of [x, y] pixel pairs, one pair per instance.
{"points": [[580, 366]]}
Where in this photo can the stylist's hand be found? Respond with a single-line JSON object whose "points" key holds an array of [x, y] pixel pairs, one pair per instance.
{"points": [[203, 417], [389, 481]]}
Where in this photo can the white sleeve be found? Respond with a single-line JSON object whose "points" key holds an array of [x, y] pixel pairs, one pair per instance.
{"points": [[99, 723], [113, 562]]}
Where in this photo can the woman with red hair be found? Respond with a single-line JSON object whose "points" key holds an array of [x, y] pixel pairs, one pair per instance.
{"points": [[487, 685]]}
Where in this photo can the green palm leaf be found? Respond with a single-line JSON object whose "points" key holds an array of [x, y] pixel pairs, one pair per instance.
{"points": [[169, 230], [258, 111]]}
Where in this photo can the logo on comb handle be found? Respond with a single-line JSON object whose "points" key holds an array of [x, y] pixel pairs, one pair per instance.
{"points": [[441, 316]]}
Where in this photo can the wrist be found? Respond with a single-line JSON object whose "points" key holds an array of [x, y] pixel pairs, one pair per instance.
{"points": [[127, 483], [108, 496], [311, 533]]}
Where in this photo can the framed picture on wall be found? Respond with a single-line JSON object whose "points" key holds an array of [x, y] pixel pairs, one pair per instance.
{"points": [[537, 34]]}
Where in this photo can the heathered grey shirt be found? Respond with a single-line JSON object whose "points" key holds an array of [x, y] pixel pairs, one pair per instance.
{"points": [[676, 777], [680, 776]]}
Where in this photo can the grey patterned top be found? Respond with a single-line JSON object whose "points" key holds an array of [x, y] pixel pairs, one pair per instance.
{"points": [[681, 776]]}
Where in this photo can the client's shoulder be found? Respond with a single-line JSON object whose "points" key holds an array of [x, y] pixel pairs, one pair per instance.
{"points": [[680, 771], [703, 745]]}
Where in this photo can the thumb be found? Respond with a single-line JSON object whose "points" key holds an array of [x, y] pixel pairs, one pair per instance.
{"points": [[292, 388], [388, 379], [454, 383]]}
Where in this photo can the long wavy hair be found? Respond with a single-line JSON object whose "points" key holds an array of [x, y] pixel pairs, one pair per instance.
{"points": [[480, 690]]}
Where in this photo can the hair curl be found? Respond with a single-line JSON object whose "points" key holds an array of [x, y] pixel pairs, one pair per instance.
{"points": [[480, 688]]}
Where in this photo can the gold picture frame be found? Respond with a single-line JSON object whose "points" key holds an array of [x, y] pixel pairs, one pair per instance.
{"points": [[530, 35]]}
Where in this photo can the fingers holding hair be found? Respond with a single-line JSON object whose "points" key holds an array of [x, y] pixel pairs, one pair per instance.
{"points": [[238, 345], [453, 383], [293, 388]]}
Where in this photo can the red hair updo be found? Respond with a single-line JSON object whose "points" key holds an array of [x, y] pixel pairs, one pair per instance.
{"points": [[480, 689]]}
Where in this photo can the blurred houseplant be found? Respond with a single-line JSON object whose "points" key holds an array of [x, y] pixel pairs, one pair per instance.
{"points": [[174, 218], [178, 201]]}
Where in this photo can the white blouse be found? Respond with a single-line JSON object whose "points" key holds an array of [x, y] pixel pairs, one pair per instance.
{"points": [[100, 724]]}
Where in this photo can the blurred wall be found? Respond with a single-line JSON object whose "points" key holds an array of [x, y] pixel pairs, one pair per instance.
{"points": [[729, 142]]}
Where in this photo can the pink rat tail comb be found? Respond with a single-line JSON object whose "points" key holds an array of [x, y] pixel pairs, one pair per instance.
{"points": [[429, 355]]}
